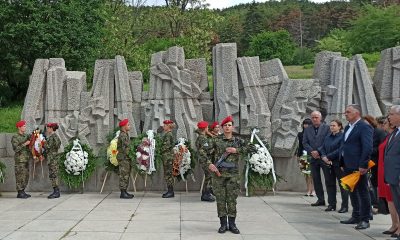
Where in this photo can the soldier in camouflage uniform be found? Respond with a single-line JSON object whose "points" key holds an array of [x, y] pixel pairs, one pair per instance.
{"points": [[215, 129], [20, 144], [226, 181], [124, 162], [203, 150], [168, 156], [51, 147]]}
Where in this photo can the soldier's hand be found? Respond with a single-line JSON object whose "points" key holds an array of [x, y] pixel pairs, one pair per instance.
{"points": [[231, 150], [212, 168], [27, 143]]}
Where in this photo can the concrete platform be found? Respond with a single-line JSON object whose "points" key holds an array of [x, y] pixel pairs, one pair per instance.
{"points": [[287, 215]]}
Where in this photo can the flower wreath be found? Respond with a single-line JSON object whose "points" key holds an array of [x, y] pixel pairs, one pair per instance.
{"points": [[2, 172], [77, 163], [259, 171], [183, 164], [144, 152]]}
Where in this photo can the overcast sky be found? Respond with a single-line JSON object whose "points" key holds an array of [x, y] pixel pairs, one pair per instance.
{"points": [[219, 3]]}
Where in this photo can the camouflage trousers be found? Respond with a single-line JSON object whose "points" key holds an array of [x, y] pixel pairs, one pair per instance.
{"points": [[168, 177], [226, 190], [53, 173], [124, 173], [207, 175], [21, 175]]}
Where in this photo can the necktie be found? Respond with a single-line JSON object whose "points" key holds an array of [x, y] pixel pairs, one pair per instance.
{"points": [[393, 135]]}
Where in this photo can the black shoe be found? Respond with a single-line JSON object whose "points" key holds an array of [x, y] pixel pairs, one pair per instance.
{"points": [[388, 232], [207, 197], [318, 203], [170, 193], [350, 221], [22, 194], [224, 225], [55, 194], [125, 195], [26, 193], [362, 225], [130, 195], [394, 235], [343, 210], [330, 208], [232, 225]]}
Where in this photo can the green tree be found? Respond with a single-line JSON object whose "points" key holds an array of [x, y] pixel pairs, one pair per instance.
{"points": [[269, 45], [376, 29], [252, 25], [336, 41], [31, 29]]}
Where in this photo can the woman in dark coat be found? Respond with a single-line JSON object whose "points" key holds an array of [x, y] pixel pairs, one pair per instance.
{"points": [[330, 152], [310, 186]]}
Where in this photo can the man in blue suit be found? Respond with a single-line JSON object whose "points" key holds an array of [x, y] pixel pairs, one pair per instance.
{"points": [[392, 158], [356, 151]]}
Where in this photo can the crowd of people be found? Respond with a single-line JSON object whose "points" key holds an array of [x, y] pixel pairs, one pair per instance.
{"points": [[338, 152], [218, 153]]}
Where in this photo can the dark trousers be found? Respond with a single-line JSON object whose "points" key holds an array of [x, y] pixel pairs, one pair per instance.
{"points": [[395, 189], [360, 199], [315, 166], [332, 174]]}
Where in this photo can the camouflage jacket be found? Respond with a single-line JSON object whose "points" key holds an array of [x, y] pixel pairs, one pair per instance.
{"points": [[123, 146], [168, 144], [220, 144], [22, 152], [51, 146], [203, 148]]}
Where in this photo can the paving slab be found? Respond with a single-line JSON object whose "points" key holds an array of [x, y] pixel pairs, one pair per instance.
{"points": [[285, 215]]}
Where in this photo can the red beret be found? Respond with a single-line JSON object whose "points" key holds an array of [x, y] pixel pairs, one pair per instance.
{"points": [[168, 121], [226, 120], [51, 124], [123, 122], [202, 124], [20, 123], [214, 125]]}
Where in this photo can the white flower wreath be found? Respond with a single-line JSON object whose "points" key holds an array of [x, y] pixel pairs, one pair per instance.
{"points": [[261, 162], [76, 159], [184, 165]]}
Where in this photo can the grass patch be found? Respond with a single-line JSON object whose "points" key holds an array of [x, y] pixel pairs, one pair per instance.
{"points": [[299, 72], [9, 116]]}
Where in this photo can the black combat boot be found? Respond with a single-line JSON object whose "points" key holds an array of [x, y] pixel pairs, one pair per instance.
{"points": [[55, 194], [22, 194], [26, 193], [125, 195], [169, 193], [232, 225], [224, 225], [207, 197]]}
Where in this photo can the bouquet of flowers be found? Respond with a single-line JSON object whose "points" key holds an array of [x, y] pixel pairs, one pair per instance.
{"points": [[304, 164], [350, 181], [77, 163], [261, 161], [182, 164], [112, 150], [2, 172], [37, 150], [145, 154]]}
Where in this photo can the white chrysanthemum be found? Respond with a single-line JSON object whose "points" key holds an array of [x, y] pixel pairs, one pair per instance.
{"points": [[76, 159], [261, 162]]}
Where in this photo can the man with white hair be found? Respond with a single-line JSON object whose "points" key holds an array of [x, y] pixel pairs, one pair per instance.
{"points": [[392, 158], [313, 138]]}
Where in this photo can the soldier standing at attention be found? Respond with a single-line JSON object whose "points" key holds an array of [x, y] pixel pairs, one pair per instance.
{"points": [[168, 156], [226, 183], [20, 143], [203, 146], [51, 147], [124, 162]]}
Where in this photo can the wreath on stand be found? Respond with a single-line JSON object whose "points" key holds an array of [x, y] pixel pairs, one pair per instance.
{"points": [[259, 171], [77, 163], [183, 163], [145, 154]]}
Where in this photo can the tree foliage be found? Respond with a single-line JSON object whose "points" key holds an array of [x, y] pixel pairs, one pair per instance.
{"points": [[269, 45]]}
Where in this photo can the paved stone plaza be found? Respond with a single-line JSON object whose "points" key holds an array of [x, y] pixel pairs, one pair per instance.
{"points": [[286, 216]]}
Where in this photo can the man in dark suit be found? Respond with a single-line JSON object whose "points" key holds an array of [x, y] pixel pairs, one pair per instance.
{"points": [[313, 139], [392, 158], [356, 151]]}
